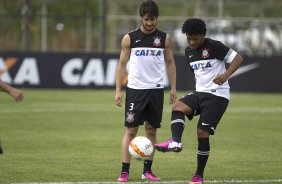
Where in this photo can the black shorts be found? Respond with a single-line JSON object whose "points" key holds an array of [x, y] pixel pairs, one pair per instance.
{"points": [[144, 105], [210, 108]]}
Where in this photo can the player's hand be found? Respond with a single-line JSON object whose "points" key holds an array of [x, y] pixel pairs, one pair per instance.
{"points": [[17, 95], [118, 99], [220, 79], [172, 96]]}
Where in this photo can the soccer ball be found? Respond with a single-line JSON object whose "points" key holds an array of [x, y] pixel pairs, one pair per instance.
{"points": [[140, 148]]}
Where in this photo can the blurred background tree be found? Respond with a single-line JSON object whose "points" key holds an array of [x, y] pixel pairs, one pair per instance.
{"points": [[252, 27]]}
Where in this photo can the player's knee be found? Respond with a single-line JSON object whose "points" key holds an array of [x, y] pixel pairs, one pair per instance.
{"points": [[176, 106], [180, 106], [131, 132], [150, 131], [202, 133]]}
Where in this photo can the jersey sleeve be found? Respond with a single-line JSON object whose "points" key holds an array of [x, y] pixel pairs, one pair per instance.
{"points": [[223, 52]]}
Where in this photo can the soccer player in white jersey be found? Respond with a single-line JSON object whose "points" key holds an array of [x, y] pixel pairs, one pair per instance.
{"points": [[13, 92], [149, 53], [206, 58]]}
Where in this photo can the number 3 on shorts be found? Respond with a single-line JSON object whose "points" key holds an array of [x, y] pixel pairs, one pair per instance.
{"points": [[131, 106]]}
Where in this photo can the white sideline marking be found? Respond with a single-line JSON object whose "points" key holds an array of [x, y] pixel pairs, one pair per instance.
{"points": [[167, 182]]}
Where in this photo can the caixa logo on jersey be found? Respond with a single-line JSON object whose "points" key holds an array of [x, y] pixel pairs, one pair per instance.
{"points": [[19, 72], [148, 52], [199, 65]]}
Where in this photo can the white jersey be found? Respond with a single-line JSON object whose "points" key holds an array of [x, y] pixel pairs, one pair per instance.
{"points": [[207, 62], [146, 62]]}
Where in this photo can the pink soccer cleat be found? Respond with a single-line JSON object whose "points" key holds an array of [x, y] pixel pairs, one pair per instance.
{"points": [[169, 145], [196, 179], [150, 176], [123, 177]]}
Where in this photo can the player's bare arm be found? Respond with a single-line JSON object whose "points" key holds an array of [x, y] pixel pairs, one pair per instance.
{"points": [[171, 70], [121, 68], [236, 62], [13, 92]]}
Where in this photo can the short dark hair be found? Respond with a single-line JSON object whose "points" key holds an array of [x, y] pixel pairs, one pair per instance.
{"points": [[194, 26], [149, 7]]}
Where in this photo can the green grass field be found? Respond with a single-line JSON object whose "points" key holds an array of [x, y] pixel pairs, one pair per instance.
{"points": [[75, 136]]}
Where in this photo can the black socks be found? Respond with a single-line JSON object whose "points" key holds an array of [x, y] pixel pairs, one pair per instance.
{"points": [[125, 167], [177, 125], [147, 165], [203, 155]]}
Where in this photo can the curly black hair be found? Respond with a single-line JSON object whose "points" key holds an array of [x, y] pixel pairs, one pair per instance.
{"points": [[149, 7], [194, 26]]}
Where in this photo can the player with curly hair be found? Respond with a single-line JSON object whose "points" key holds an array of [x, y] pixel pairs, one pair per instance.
{"points": [[206, 58]]}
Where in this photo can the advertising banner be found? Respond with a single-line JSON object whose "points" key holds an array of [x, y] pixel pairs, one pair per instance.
{"points": [[90, 70]]}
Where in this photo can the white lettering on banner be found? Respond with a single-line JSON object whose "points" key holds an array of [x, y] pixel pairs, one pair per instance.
{"points": [[68, 75], [73, 73], [27, 72], [5, 76], [111, 72], [93, 72]]}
